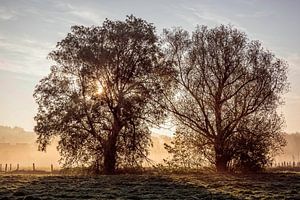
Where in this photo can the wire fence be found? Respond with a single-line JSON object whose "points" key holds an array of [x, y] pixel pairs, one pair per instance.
{"points": [[17, 168]]}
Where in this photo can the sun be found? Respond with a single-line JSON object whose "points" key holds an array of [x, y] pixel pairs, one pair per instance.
{"points": [[100, 89]]}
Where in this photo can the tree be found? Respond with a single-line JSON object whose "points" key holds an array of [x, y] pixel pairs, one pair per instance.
{"points": [[227, 91], [100, 97], [259, 140], [184, 154]]}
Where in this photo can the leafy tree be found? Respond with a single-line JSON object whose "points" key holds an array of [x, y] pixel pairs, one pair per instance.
{"points": [[227, 91], [259, 140], [99, 98], [184, 154]]}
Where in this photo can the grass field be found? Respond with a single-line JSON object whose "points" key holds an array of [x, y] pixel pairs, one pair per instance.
{"points": [[192, 186]]}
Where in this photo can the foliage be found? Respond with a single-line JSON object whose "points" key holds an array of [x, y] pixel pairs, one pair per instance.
{"points": [[260, 140], [227, 91], [112, 82], [100, 96], [184, 155]]}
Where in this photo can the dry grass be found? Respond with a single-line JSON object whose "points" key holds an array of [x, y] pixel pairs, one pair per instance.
{"points": [[151, 186]]}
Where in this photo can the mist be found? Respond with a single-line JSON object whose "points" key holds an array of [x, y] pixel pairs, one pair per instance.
{"points": [[18, 146], [291, 152]]}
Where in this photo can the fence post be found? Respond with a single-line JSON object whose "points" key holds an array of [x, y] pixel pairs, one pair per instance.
{"points": [[33, 166], [5, 167], [51, 168], [17, 167], [10, 167], [0, 167]]}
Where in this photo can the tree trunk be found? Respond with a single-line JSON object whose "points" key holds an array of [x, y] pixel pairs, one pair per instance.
{"points": [[96, 165], [110, 157], [221, 163], [110, 150], [221, 159]]}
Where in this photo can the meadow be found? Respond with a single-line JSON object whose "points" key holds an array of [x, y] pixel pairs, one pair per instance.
{"points": [[205, 185]]}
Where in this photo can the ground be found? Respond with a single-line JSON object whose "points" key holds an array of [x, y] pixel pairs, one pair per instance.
{"points": [[192, 186]]}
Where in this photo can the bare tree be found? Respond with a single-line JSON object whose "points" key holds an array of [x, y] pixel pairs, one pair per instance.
{"points": [[227, 86], [99, 98]]}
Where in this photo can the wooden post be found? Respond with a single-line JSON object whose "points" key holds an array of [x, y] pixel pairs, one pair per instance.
{"points": [[5, 167], [33, 166], [17, 167], [10, 167], [0, 167], [51, 168]]}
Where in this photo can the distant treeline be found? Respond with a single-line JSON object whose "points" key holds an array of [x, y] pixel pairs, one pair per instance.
{"points": [[14, 141], [18, 146], [291, 151], [16, 135]]}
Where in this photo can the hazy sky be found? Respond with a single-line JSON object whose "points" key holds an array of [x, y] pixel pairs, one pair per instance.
{"points": [[30, 29]]}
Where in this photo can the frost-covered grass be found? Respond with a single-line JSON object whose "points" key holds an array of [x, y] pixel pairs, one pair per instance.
{"points": [[151, 186]]}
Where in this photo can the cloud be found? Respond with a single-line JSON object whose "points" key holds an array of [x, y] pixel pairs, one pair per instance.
{"points": [[293, 96], [7, 14], [62, 12], [25, 48], [210, 15], [31, 56], [87, 15], [8, 66], [82, 13], [294, 60], [257, 14]]}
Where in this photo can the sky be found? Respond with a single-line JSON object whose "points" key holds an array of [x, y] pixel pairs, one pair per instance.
{"points": [[30, 29]]}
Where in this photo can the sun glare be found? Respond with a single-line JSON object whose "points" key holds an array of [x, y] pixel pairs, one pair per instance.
{"points": [[99, 88]]}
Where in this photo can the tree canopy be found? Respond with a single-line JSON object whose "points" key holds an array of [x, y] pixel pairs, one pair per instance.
{"points": [[111, 83], [100, 96], [228, 90]]}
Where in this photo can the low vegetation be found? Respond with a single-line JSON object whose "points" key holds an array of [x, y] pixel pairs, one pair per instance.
{"points": [[152, 186]]}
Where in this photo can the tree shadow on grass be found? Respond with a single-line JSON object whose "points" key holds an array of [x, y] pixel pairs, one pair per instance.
{"points": [[277, 185], [252, 186], [108, 187]]}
